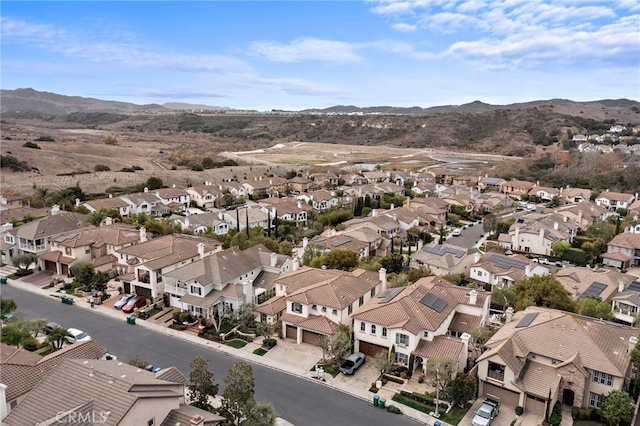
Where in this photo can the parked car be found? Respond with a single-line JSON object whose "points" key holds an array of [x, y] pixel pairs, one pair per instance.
{"points": [[487, 412], [456, 232], [76, 336], [123, 300], [50, 326], [543, 261], [352, 363], [136, 302]]}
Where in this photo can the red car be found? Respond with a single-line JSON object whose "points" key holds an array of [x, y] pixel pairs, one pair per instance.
{"points": [[136, 302]]}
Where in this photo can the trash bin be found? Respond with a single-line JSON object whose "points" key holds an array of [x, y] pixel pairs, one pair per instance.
{"points": [[437, 423], [131, 320], [376, 400], [3, 280], [381, 402]]}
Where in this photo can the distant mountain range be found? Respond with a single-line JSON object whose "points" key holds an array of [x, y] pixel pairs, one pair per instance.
{"points": [[31, 100]]}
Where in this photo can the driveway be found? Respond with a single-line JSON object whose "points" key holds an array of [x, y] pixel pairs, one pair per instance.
{"points": [[40, 278], [504, 418]]}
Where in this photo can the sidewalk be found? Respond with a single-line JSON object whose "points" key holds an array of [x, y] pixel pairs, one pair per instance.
{"points": [[295, 364]]}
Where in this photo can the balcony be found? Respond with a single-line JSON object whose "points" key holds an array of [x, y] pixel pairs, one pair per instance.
{"points": [[174, 289], [497, 375]]}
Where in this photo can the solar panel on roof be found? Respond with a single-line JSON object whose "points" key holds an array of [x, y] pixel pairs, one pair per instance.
{"points": [[526, 320], [389, 294], [341, 242], [440, 250], [434, 302], [594, 290], [507, 263], [635, 286]]}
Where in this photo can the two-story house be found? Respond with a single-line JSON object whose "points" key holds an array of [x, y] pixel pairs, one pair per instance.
{"points": [[299, 184], [586, 282], [500, 270], [205, 196], [97, 246], [625, 306], [257, 188], [201, 222], [326, 180], [146, 203], [317, 301], [430, 318], [383, 225], [575, 195], [491, 183], [542, 353], [623, 251], [535, 232], [584, 214], [544, 193], [253, 216], [375, 176], [224, 281], [320, 200], [517, 188], [289, 209], [111, 203], [176, 199], [144, 265], [442, 259], [615, 200]]}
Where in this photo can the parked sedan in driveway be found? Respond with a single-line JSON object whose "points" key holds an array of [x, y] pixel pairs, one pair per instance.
{"points": [[136, 302], [123, 300], [76, 336], [50, 326], [352, 363]]}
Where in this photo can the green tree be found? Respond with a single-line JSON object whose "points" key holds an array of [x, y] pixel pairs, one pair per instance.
{"points": [[96, 218], [41, 198], [438, 374], [421, 272], [285, 248], [503, 296], [153, 183], [82, 273], [247, 317], [617, 407], [261, 414], [593, 307], [345, 260], [338, 345], [268, 329], [382, 362], [393, 263], [201, 384], [559, 248], [480, 335], [602, 229], [542, 290], [57, 337], [7, 306], [312, 251], [23, 261], [238, 394], [462, 389]]}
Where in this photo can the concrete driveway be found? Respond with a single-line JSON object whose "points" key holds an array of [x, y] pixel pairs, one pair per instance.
{"points": [[504, 418], [40, 278]]}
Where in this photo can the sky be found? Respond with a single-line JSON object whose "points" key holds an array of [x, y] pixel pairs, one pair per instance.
{"points": [[312, 54]]}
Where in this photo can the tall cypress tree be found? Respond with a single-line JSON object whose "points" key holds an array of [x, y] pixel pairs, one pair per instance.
{"points": [[269, 223], [237, 220], [275, 224], [246, 214]]}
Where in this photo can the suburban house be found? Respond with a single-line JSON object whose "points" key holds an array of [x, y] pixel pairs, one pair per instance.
{"points": [[33, 237], [320, 200], [364, 240], [434, 208], [382, 224], [145, 202], [468, 181], [493, 202], [143, 265], [257, 188], [205, 196], [615, 200], [112, 203], [491, 184], [497, 269], [175, 199], [326, 180], [544, 193], [279, 186], [517, 188], [289, 209], [342, 241], [110, 392], [425, 187], [430, 318], [535, 232], [97, 246], [541, 351], [584, 214], [575, 195], [236, 189], [21, 370], [300, 184], [443, 175], [583, 282], [199, 223], [401, 178], [224, 281], [442, 259], [253, 215], [317, 301], [375, 176], [625, 305], [623, 251]]}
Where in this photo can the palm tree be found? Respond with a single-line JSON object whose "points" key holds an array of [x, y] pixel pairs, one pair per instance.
{"points": [[96, 218], [41, 198], [57, 337]]}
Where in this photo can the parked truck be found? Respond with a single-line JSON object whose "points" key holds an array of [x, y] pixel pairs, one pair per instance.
{"points": [[488, 410]]}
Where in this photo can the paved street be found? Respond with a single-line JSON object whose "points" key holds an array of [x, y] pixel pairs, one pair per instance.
{"points": [[297, 400], [468, 237]]}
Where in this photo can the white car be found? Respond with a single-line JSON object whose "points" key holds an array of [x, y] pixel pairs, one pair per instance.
{"points": [[456, 232], [76, 336]]}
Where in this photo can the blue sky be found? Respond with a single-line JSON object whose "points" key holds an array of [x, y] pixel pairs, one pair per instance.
{"points": [[302, 54]]}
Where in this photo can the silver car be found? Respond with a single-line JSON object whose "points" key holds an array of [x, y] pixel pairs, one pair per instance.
{"points": [[123, 300]]}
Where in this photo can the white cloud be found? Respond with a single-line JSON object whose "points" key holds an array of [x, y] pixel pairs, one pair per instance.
{"points": [[393, 8], [448, 22], [307, 49], [404, 28]]}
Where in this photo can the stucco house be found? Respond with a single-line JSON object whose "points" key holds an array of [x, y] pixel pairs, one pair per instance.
{"points": [[199, 223], [623, 251], [110, 203], [517, 188], [584, 282], [577, 359], [205, 196], [430, 318], [442, 259], [615, 200], [535, 232], [625, 305], [501, 270], [584, 214], [320, 200]]}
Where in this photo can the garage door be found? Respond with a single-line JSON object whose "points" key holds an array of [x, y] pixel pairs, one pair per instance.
{"points": [[506, 396], [292, 332], [312, 338], [535, 405], [50, 266], [141, 291], [369, 349]]}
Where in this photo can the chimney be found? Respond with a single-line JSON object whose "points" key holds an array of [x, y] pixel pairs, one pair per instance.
{"points": [[77, 202], [110, 195], [527, 271], [333, 232], [173, 186], [187, 223], [55, 209], [555, 225], [299, 204], [476, 257], [382, 276], [196, 420], [633, 341], [542, 234], [3, 401], [305, 243], [575, 290], [392, 207], [565, 218], [220, 216], [465, 337], [620, 286], [247, 289], [295, 264], [374, 213], [579, 217], [274, 259], [146, 189], [108, 221], [509, 314], [473, 297], [201, 250], [143, 235]]}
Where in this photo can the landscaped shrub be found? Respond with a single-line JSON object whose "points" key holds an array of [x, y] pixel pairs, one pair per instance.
{"points": [[182, 317], [32, 145], [177, 326], [269, 343], [393, 409], [394, 379], [520, 410], [556, 414], [31, 344], [582, 413]]}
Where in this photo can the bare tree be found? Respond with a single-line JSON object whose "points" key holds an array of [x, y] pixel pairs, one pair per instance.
{"points": [[438, 373]]}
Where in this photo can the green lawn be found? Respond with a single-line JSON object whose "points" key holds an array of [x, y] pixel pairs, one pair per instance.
{"points": [[227, 326], [260, 351], [328, 368], [453, 417], [236, 343], [152, 312]]}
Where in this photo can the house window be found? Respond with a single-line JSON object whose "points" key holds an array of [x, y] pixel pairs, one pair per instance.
{"points": [[602, 378], [296, 307], [362, 326], [594, 400], [324, 309], [402, 358], [384, 331], [196, 290], [425, 334], [314, 307], [87, 250], [361, 301], [496, 371], [350, 309], [334, 312], [152, 422], [402, 339], [373, 329], [67, 251], [263, 317], [373, 292]]}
